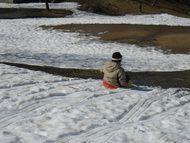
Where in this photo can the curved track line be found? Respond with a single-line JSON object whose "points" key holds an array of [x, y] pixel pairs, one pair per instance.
{"points": [[127, 119]]}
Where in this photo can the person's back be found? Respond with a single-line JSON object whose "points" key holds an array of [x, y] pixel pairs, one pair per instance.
{"points": [[114, 74]]}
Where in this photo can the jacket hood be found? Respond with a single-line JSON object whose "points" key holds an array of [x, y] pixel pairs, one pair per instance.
{"points": [[111, 66]]}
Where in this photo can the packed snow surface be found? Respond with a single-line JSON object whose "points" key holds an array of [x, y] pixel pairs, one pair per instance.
{"points": [[37, 107], [24, 41]]}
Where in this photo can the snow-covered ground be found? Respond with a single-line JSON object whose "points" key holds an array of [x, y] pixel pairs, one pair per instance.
{"points": [[38, 107]]}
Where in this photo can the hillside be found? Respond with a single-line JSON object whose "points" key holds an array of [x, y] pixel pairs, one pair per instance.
{"points": [[122, 7]]}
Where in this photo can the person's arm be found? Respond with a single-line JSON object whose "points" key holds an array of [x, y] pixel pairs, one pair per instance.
{"points": [[123, 81]]}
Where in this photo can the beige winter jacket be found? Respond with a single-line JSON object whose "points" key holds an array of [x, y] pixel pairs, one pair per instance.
{"points": [[114, 74]]}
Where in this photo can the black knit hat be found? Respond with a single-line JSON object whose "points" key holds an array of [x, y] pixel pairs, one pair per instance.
{"points": [[116, 56]]}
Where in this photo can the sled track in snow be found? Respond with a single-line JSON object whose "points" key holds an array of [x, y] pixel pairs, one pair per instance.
{"points": [[135, 113], [126, 119], [50, 101], [111, 127], [30, 106], [105, 132]]}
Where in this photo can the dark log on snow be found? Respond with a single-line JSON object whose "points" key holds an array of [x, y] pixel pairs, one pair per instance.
{"points": [[162, 79]]}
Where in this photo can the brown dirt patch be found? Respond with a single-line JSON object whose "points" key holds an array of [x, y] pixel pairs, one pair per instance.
{"points": [[13, 13], [162, 79], [180, 43], [174, 38]]}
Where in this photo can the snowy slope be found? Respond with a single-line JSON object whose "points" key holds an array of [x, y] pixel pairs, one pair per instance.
{"points": [[39, 107]]}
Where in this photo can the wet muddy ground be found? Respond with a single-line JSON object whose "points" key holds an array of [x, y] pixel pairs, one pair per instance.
{"points": [[172, 39]]}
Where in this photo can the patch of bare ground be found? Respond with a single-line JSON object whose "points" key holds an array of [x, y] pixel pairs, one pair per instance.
{"points": [[13, 13], [122, 7], [176, 39], [161, 79]]}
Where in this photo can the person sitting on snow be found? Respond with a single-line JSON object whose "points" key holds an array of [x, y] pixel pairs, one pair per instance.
{"points": [[114, 74]]}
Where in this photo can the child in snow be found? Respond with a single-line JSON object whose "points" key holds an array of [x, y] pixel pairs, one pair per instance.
{"points": [[114, 74]]}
